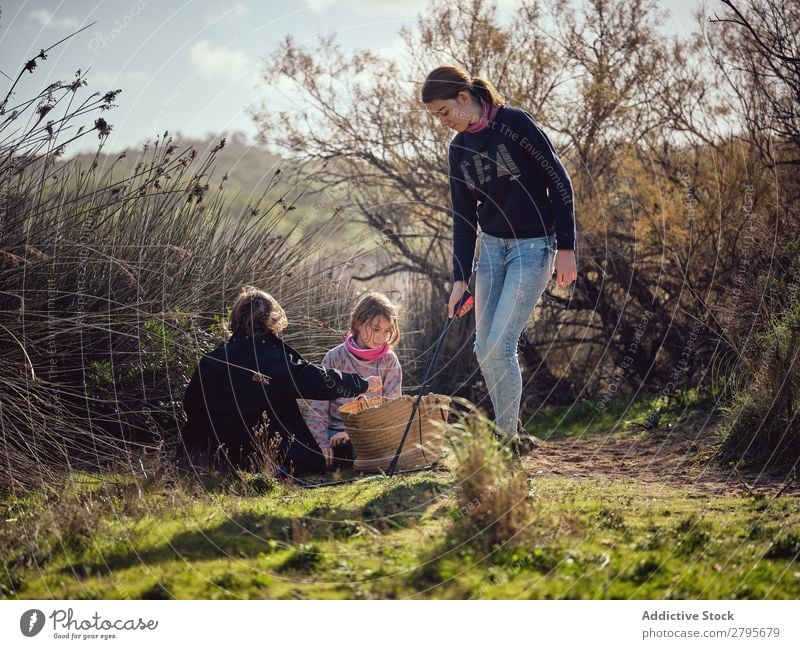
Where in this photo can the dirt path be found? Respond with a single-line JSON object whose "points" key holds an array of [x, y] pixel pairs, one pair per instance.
{"points": [[681, 457]]}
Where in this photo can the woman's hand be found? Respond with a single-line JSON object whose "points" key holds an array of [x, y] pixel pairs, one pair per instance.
{"points": [[455, 295], [375, 384], [566, 268], [339, 438]]}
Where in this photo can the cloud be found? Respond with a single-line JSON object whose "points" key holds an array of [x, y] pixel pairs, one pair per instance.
{"points": [[136, 76], [239, 11], [48, 19], [97, 78], [101, 79], [219, 61], [395, 50], [370, 7], [231, 15], [383, 8]]}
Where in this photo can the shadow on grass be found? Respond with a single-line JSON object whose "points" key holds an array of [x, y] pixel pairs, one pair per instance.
{"points": [[400, 506], [242, 535], [248, 535], [404, 505]]}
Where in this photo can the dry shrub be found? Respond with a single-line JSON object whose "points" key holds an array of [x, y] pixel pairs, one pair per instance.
{"points": [[266, 460], [114, 283], [492, 497], [35, 531], [761, 425]]}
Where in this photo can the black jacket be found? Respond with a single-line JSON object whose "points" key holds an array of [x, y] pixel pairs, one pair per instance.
{"points": [[237, 384]]}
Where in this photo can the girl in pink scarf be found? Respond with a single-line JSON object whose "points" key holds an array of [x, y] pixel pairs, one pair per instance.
{"points": [[367, 351]]}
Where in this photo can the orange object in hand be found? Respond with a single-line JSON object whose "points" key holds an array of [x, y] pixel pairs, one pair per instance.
{"points": [[464, 305]]}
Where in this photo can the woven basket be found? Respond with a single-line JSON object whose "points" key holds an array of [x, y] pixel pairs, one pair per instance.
{"points": [[376, 426]]}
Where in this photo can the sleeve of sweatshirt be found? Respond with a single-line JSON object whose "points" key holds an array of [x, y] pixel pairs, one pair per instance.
{"points": [[464, 208], [392, 377], [308, 381], [318, 415], [555, 176]]}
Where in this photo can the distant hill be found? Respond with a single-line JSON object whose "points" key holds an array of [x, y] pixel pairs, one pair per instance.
{"points": [[250, 170]]}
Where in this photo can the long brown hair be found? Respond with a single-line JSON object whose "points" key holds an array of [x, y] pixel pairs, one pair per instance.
{"points": [[254, 313], [373, 305], [446, 81]]}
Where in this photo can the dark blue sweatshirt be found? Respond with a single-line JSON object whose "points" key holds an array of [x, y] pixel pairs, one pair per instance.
{"points": [[508, 179]]}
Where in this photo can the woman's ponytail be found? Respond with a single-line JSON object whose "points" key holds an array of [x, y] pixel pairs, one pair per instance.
{"points": [[484, 89], [446, 81]]}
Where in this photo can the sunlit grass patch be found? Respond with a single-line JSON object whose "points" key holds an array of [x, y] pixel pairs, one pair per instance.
{"points": [[396, 538], [623, 413]]}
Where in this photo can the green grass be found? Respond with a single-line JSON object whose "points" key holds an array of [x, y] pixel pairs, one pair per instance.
{"points": [[116, 536], [591, 416], [392, 539]]}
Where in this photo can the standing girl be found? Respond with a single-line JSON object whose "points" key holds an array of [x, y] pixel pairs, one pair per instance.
{"points": [[367, 347], [505, 177]]}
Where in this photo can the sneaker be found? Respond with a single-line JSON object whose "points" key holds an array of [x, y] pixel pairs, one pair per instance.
{"points": [[519, 444], [513, 447], [524, 444]]}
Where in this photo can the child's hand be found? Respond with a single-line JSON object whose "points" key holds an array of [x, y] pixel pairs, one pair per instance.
{"points": [[375, 384], [327, 453], [339, 438]]}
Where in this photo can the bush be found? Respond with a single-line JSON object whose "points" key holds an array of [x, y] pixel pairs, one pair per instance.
{"points": [[492, 499], [762, 423], [114, 285]]}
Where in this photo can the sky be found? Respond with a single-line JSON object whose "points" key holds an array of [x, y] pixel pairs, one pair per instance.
{"points": [[193, 65]]}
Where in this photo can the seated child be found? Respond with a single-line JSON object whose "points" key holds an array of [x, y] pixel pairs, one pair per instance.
{"points": [[367, 351], [255, 380]]}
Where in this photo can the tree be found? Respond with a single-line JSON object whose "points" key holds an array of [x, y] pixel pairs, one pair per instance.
{"points": [[758, 49], [366, 130], [630, 110]]}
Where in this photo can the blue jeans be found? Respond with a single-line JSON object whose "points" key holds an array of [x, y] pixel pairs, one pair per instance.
{"points": [[511, 276]]}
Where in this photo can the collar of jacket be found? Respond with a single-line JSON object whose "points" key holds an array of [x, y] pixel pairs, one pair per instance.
{"points": [[267, 337]]}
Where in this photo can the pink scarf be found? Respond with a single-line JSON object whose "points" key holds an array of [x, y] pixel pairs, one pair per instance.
{"points": [[489, 113], [364, 354]]}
